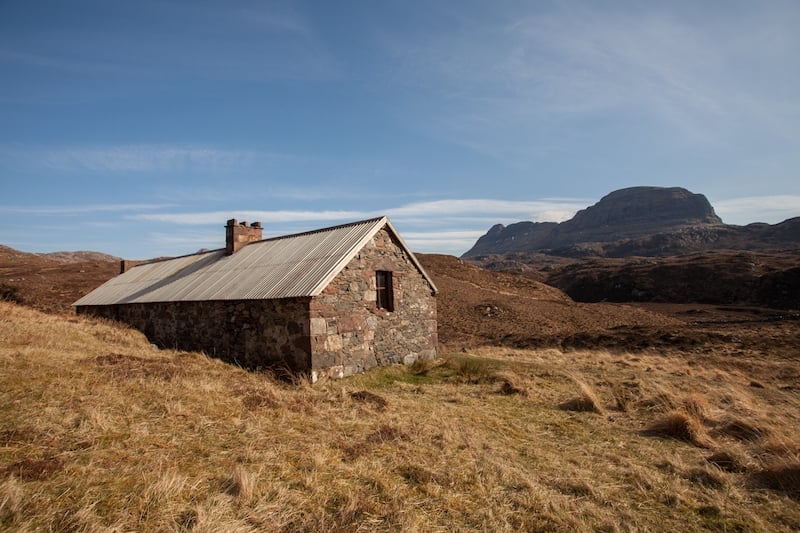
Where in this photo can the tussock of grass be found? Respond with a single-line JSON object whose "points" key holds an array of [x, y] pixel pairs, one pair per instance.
{"points": [[743, 430], [625, 394], [681, 426], [512, 383], [781, 446], [697, 406], [729, 460], [658, 401], [417, 474], [472, 370], [574, 487], [241, 484], [586, 401], [784, 478], [156, 440], [708, 477]]}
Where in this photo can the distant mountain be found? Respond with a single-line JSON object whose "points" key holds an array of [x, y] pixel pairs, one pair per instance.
{"points": [[57, 257], [638, 221]]}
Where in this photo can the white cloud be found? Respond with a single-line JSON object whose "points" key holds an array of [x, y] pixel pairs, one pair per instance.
{"points": [[539, 210], [219, 217], [770, 209], [450, 242], [431, 213], [442, 235], [446, 226]]}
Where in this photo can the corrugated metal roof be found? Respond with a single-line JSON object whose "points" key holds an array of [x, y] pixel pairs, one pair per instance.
{"points": [[281, 267]]}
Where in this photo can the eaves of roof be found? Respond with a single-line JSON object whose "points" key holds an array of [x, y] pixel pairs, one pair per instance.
{"points": [[291, 266]]}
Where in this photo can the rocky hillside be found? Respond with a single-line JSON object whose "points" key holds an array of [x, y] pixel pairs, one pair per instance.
{"points": [[51, 282], [477, 307], [717, 277], [652, 244], [639, 221]]}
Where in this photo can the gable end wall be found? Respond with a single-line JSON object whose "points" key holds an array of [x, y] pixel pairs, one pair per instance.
{"points": [[349, 334]]}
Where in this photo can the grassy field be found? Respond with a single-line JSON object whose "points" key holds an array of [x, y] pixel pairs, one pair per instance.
{"points": [[99, 431]]}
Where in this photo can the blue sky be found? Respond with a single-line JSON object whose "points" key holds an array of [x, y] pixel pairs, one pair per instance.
{"points": [[138, 128]]}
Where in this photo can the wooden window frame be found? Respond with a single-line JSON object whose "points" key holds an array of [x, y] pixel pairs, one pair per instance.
{"points": [[384, 290]]}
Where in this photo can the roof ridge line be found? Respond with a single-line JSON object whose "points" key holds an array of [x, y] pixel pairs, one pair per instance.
{"points": [[277, 237], [321, 230]]}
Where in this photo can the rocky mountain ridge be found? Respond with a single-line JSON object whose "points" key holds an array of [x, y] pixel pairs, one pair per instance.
{"points": [[652, 244], [638, 221]]}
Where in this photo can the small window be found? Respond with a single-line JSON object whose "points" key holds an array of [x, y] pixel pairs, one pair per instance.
{"points": [[383, 289]]}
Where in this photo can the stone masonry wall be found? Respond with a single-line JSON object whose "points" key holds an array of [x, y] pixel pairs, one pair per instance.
{"points": [[251, 333], [349, 334], [342, 327]]}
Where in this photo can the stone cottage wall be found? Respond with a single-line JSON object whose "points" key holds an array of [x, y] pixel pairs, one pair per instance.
{"points": [[251, 333], [349, 334]]}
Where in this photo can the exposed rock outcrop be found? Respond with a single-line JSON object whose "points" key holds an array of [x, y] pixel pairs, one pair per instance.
{"points": [[635, 212], [638, 221]]}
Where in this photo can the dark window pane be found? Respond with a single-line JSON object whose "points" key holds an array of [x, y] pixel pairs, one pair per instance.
{"points": [[383, 290]]}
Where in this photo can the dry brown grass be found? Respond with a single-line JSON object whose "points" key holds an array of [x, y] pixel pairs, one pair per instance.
{"points": [[783, 477], [730, 460], [681, 425], [696, 405], [512, 382], [101, 432], [586, 401]]}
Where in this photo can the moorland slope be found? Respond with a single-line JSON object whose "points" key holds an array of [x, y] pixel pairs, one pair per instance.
{"points": [[102, 432], [689, 421]]}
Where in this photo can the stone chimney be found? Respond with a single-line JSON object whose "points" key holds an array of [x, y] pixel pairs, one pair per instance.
{"points": [[127, 264], [238, 235]]}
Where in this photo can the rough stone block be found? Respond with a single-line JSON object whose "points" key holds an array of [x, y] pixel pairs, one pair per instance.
{"points": [[319, 326]]}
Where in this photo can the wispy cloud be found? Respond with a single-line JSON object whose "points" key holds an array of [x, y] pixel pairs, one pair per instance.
{"points": [[78, 209], [215, 217], [136, 158], [432, 211], [540, 211], [147, 158], [445, 226], [505, 84], [269, 18], [453, 242], [194, 41]]}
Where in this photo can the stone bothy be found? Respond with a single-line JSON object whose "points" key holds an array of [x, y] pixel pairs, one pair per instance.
{"points": [[334, 301]]}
